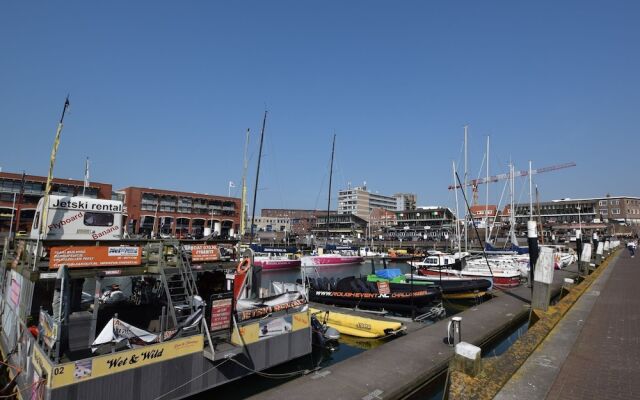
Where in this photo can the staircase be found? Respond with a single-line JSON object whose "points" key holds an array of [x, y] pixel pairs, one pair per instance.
{"points": [[179, 283]]}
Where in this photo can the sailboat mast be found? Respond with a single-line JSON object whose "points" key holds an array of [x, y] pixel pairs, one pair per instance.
{"points": [[457, 210], [333, 149], [530, 194], [466, 215], [243, 211], [255, 190], [486, 207]]}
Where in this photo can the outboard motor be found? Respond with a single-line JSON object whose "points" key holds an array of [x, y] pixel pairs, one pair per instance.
{"points": [[323, 335]]}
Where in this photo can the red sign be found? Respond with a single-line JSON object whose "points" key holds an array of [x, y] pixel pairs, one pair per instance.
{"points": [[205, 252], [94, 256], [220, 314], [383, 288]]}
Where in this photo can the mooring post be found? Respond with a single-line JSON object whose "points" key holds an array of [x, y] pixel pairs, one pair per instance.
{"points": [[542, 280], [532, 240]]}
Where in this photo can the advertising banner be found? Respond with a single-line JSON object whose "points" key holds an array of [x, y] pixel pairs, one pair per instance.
{"points": [[94, 256], [220, 314], [205, 252], [91, 368]]}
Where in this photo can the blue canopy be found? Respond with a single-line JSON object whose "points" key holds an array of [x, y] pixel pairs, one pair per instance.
{"points": [[388, 273]]}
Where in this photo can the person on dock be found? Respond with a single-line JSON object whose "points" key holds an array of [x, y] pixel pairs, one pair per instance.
{"points": [[631, 245]]}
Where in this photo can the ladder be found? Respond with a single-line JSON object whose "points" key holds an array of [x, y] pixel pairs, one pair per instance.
{"points": [[179, 283]]}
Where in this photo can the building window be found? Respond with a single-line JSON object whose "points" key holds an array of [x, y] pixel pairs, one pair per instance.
{"points": [[603, 211], [615, 211], [615, 202], [602, 203]]}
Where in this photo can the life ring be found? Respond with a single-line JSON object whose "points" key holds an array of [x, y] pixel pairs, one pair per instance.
{"points": [[243, 266]]}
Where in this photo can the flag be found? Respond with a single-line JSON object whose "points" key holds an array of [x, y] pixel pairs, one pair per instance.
{"points": [[231, 184], [86, 173]]}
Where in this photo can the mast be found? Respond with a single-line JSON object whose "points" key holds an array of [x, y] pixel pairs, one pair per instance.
{"points": [[457, 211], [486, 207], [333, 149], [255, 190], [243, 211], [52, 161], [466, 215], [530, 194]]}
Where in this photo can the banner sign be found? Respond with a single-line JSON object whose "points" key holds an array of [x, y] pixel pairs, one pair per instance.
{"points": [[383, 287], [262, 311], [586, 253], [48, 328], [94, 256], [66, 374], [220, 314], [205, 252], [544, 266], [16, 283]]}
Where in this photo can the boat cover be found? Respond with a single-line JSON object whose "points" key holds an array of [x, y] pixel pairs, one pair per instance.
{"points": [[388, 273]]}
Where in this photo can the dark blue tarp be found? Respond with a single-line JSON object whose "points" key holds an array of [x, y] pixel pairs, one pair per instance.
{"points": [[339, 247], [513, 248], [274, 250]]}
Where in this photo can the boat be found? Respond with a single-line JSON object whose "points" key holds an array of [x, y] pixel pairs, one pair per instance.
{"points": [[335, 255], [452, 287], [275, 258], [357, 292], [358, 326], [446, 265]]}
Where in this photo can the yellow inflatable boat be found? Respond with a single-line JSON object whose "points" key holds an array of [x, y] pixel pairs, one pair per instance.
{"points": [[358, 326]]}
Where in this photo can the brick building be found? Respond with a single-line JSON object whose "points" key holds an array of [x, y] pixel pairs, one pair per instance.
{"points": [[180, 213], [11, 184]]}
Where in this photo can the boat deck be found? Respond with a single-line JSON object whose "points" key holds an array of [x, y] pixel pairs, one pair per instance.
{"points": [[408, 363]]}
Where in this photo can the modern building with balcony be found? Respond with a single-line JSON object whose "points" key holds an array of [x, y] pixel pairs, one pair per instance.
{"points": [[588, 213], [423, 223], [301, 222], [180, 214], [19, 199], [360, 201]]}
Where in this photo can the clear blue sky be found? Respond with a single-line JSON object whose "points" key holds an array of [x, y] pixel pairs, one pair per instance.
{"points": [[162, 92]]}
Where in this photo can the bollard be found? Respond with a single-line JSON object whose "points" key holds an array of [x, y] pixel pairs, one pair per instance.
{"points": [[454, 331], [467, 359]]}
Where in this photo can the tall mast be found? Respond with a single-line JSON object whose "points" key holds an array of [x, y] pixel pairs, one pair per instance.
{"points": [[255, 190], [457, 211], [486, 207], [52, 161], [333, 149], [243, 211], [86, 176], [530, 194], [466, 215]]}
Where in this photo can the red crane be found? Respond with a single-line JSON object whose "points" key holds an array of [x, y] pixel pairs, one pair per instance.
{"points": [[475, 182]]}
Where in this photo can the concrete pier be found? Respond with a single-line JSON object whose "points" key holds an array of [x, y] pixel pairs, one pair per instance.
{"points": [[405, 365]]}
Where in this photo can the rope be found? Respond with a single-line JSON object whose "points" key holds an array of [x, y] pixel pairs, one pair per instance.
{"points": [[28, 387], [274, 376], [191, 380]]}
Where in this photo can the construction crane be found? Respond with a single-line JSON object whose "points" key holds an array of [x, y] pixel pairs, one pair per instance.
{"points": [[475, 182]]}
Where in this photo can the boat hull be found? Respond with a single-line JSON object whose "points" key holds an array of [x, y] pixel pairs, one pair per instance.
{"points": [[500, 280], [331, 260], [277, 264]]}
